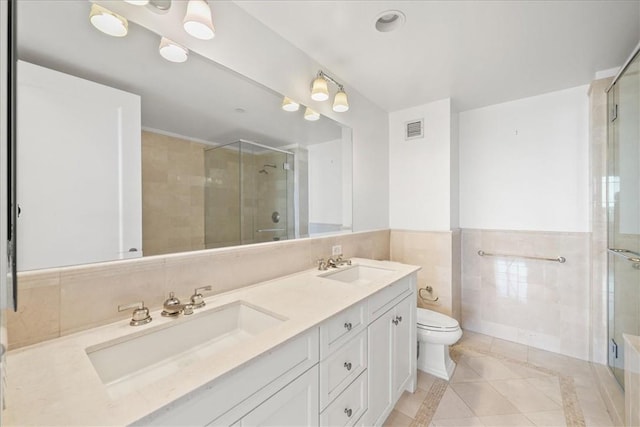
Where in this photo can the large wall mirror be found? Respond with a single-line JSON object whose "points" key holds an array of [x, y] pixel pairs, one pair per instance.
{"points": [[123, 154]]}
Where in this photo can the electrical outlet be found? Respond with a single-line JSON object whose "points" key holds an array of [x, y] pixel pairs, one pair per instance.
{"points": [[336, 250]]}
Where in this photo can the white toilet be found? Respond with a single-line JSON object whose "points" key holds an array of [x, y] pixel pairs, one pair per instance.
{"points": [[436, 332]]}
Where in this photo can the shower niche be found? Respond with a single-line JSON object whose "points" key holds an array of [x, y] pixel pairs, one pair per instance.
{"points": [[250, 195]]}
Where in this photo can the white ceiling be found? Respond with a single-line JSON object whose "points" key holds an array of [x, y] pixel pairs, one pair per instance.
{"points": [[476, 52]]}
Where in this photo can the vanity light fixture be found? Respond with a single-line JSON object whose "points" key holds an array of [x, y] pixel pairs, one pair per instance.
{"points": [[197, 21], [290, 105], [311, 115], [172, 51], [320, 92], [108, 22], [138, 2]]}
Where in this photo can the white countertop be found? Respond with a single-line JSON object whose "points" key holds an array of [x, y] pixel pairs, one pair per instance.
{"points": [[55, 383]]}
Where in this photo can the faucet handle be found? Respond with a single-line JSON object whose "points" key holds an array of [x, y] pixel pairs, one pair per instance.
{"points": [[172, 300], [140, 314], [197, 299], [322, 264]]}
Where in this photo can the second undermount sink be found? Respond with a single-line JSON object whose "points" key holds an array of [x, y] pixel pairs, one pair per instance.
{"points": [[358, 274], [159, 352]]}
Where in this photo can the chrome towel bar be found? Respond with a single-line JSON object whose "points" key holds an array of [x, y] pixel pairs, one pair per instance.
{"points": [[559, 259]]}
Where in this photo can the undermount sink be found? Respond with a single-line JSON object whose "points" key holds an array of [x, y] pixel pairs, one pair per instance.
{"points": [[358, 274], [169, 348]]}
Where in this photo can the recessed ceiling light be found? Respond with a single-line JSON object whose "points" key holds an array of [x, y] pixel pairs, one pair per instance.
{"points": [[390, 20]]}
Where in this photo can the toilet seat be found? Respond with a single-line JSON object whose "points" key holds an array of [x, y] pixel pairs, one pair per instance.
{"points": [[436, 322]]}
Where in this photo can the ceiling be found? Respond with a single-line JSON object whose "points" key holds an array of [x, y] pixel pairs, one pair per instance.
{"points": [[476, 52]]}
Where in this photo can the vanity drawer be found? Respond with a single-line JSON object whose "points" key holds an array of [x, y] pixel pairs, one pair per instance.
{"points": [[341, 328], [342, 367], [384, 299], [349, 406]]}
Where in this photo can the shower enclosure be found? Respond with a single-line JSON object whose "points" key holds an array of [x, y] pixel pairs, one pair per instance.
{"points": [[623, 199], [248, 194]]}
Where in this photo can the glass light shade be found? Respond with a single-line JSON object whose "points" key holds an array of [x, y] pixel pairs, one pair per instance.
{"points": [[197, 21], [319, 89], [290, 105], [311, 115], [340, 102], [172, 51], [108, 22], [138, 2]]}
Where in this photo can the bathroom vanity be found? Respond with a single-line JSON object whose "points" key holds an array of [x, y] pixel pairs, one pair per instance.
{"points": [[335, 347]]}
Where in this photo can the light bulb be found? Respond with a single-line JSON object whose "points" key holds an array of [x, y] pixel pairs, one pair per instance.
{"points": [[108, 22], [311, 115], [197, 21], [340, 102], [289, 105], [172, 51], [319, 89]]}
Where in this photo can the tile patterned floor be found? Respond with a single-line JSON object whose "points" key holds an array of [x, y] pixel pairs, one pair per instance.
{"points": [[500, 383]]}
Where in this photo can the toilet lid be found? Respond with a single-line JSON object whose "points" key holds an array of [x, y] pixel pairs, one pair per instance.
{"points": [[428, 319]]}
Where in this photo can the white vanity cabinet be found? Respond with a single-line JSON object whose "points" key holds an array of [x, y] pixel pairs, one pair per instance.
{"points": [[392, 353]]}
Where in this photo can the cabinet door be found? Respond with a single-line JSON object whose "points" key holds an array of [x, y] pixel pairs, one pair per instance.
{"points": [[294, 405], [401, 353], [379, 369]]}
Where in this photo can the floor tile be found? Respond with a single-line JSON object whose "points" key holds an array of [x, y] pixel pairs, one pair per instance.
{"points": [[425, 380], [475, 339], [452, 407], [509, 420], [458, 422], [483, 399], [490, 368], [397, 419], [510, 349], [409, 403], [525, 396], [464, 373], [549, 386], [548, 419]]}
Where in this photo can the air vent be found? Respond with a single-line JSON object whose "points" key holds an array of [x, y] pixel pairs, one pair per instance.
{"points": [[414, 129]]}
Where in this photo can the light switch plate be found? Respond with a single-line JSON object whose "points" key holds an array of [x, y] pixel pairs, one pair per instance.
{"points": [[336, 250]]}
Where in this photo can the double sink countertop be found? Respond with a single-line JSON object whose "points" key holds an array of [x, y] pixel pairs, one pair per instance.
{"points": [[56, 383]]}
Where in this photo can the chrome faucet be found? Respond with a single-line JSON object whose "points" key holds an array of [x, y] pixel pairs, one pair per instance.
{"points": [[172, 307], [338, 262], [322, 264]]}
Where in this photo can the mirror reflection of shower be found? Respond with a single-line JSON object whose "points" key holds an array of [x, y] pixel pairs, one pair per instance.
{"points": [[263, 170], [239, 204]]}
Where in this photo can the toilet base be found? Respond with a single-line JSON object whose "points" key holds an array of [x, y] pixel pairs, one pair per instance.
{"points": [[434, 359]]}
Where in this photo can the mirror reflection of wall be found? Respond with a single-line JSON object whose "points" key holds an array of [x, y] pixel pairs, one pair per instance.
{"points": [[186, 198]]}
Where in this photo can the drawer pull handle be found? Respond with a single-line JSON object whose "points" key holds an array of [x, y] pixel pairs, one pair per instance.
{"points": [[348, 412], [348, 326], [347, 365]]}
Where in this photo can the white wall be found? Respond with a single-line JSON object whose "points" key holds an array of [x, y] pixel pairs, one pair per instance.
{"points": [[420, 169], [524, 164], [247, 46], [325, 182]]}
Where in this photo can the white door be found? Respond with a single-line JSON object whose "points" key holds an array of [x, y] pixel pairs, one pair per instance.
{"points": [[379, 369], [295, 405], [79, 163]]}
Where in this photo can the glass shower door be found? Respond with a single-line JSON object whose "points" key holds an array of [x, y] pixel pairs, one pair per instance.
{"points": [[624, 214]]}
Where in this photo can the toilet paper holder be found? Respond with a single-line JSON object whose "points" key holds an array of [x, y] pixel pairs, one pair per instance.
{"points": [[429, 290]]}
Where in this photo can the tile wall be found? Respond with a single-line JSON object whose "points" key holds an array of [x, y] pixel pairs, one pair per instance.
{"points": [[438, 253], [172, 194], [61, 301], [542, 304]]}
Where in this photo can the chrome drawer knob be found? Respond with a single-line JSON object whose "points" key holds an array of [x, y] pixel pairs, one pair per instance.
{"points": [[399, 318], [348, 326], [347, 365], [348, 412], [395, 321]]}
